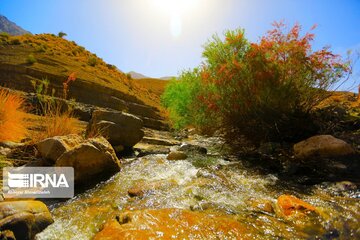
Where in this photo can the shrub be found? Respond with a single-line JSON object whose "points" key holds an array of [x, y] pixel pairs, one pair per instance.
{"points": [[15, 41], [62, 34], [263, 90], [12, 117], [92, 61], [111, 66], [4, 35], [31, 59]]}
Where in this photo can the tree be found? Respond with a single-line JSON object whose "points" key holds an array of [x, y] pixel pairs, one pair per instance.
{"points": [[62, 34], [264, 90]]}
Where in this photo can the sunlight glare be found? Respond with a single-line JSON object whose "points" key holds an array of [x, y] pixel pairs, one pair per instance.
{"points": [[176, 9]]}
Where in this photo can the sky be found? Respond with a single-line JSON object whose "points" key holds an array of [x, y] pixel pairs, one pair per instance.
{"points": [[162, 37]]}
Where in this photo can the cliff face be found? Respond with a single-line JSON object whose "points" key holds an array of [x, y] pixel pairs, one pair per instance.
{"points": [[98, 84], [11, 28]]}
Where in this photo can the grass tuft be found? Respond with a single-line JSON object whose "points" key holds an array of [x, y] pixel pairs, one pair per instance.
{"points": [[12, 117], [57, 122]]}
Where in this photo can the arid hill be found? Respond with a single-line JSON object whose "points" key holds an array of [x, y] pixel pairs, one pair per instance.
{"points": [[28, 58]]}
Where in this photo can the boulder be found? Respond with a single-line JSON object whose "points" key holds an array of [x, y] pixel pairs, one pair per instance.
{"points": [[174, 223], [52, 148], [24, 218], [93, 158], [176, 155], [118, 127], [189, 148], [289, 205], [323, 146], [158, 141]]}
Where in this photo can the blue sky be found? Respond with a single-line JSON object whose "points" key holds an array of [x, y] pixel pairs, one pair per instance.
{"points": [[162, 37]]}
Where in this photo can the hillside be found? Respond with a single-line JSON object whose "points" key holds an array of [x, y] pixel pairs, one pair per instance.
{"points": [[153, 85], [26, 58], [11, 28]]}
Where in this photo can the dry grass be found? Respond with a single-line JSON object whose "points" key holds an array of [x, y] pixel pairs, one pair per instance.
{"points": [[56, 122], [12, 117]]}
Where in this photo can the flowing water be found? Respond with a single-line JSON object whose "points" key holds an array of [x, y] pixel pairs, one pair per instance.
{"points": [[208, 184]]}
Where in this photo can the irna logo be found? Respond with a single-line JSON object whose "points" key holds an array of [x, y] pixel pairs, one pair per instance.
{"points": [[19, 180], [38, 182]]}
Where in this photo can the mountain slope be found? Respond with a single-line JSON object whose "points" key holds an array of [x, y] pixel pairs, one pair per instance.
{"points": [[135, 75], [31, 58], [11, 28]]}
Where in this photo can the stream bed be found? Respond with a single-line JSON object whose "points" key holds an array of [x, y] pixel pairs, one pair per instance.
{"points": [[211, 186]]}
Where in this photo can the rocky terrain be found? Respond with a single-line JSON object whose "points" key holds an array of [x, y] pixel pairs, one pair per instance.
{"points": [[10, 27]]}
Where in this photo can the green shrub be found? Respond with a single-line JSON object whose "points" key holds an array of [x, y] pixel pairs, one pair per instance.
{"points": [[111, 66], [31, 59], [264, 90], [62, 34], [4, 35], [92, 61]]}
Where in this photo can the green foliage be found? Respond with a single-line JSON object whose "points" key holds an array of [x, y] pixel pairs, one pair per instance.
{"points": [[4, 35], [180, 98], [62, 34], [31, 59], [92, 61], [264, 90]]}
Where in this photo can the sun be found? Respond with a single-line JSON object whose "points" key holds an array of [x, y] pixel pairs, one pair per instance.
{"points": [[176, 9], [174, 5]]}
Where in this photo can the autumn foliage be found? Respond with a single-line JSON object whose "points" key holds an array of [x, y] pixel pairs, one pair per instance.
{"points": [[12, 117], [263, 90]]}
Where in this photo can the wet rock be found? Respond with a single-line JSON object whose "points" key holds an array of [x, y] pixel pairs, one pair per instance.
{"points": [[176, 155], [52, 148], [24, 218], [203, 205], [289, 205], [158, 141], [118, 127], [147, 149], [94, 157], [194, 149], [142, 188], [345, 186], [173, 223], [323, 146], [7, 235], [136, 192], [263, 205]]}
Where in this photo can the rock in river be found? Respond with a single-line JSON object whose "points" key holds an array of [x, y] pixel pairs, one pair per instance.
{"points": [[24, 218], [176, 155], [93, 158], [52, 148], [323, 146], [118, 127], [173, 224]]}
